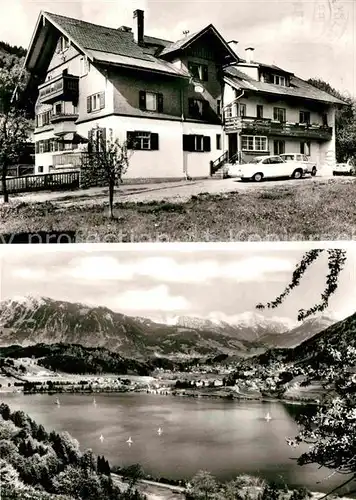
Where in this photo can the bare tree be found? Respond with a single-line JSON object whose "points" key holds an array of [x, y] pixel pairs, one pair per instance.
{"points": [[107, 160]]}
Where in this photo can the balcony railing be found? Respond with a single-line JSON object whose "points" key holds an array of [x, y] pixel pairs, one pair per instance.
{"points": [[67, 160], [268, 127], [65, 87]]}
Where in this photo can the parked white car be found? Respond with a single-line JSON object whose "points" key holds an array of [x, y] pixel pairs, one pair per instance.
{"points": [[301, 159], [345, 168], [267, 167]]}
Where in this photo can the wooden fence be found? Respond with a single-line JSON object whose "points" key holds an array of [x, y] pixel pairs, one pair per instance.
{"points": [[43, 182]]}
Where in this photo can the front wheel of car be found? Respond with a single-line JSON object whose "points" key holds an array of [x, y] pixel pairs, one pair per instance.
{"points": [[313, 172], [297, 174], [257, 177]]}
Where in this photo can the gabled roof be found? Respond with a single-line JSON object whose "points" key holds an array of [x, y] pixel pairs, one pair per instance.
{"points": [[100, 43], [189, 39], [298, 87]]}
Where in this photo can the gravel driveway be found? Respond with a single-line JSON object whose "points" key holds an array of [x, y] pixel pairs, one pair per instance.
{"points": [[170, 191]]}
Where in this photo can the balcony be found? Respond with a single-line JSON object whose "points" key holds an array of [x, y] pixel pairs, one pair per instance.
{"points": [[266, 126], [68, 160], [64, 123], [64, 88]]}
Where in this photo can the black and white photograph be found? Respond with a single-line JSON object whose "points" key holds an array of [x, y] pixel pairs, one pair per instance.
{"points": [[132, 121], [177, 373]]}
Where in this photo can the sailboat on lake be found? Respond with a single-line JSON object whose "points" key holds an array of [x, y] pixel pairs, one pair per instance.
{"points": [[129, 441], [268, 417], [159, 432], [58, 403]]}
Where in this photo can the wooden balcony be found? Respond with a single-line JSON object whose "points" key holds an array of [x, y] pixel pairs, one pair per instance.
{"points": [[71, 160], [266, 126], [65, 88]]}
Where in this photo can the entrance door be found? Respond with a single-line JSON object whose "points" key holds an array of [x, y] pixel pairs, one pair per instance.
{"points": [[232, 143]]}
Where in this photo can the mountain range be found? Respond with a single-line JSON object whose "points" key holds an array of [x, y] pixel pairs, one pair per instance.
{"points": [[28, 320]]}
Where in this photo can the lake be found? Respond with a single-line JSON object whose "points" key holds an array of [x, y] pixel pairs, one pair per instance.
{"points": [[224, 437]]}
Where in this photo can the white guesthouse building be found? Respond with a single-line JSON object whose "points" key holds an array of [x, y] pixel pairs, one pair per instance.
{"points": [[186, 107]]}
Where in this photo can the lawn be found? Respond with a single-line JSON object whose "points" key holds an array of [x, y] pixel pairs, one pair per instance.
{"points": [[324, 210]]}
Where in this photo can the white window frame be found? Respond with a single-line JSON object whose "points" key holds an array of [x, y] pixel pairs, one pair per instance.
{"points": [[279, 80], [95, 98], [199, 67], [253, 140], [145, 140], [153, 106], [64, 44], [304, 112], [242, 106], [284, 112], [228, 112]]}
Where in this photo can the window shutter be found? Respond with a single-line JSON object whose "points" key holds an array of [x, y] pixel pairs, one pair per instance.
{"points": [[205, 73], [102, 100], [160, 103], [206, 108], [154, 142], [36, 120], [206, 143], [188, 142], [191, 107], [89, 104], [142, 99], [130, 139], [37, 147]]}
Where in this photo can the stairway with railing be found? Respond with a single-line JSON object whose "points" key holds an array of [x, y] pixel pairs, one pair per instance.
{"points": [[218, 167]]}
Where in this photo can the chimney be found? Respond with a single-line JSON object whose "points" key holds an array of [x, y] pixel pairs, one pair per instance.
{"points": [[233, 44], [139, 26], [249, 54]]}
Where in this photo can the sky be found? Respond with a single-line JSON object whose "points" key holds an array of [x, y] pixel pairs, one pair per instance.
{"points": [[170, 281], [311, 38]]}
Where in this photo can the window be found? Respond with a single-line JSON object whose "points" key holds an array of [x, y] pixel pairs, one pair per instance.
{"points": [[273, 160], [242, 109], [254, 143], [197, 108], [150, 101], [279, 114], [96, 102], [40, 169], [325, 119], [196, 143], [198, 71], [278, 80], [139, 140], [305, 148], [43, 119], [218, 141], [58, 108], [63, 44], [304, 117], [218, 107], [84, 66], [228, 112], [279, 147], [259, 111]]}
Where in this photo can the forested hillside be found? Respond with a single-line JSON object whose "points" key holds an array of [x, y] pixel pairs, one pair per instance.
{"points": [[40, 465]]}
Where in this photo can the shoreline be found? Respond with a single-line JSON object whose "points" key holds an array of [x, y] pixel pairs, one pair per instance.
{"points": [[200, 395]]}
